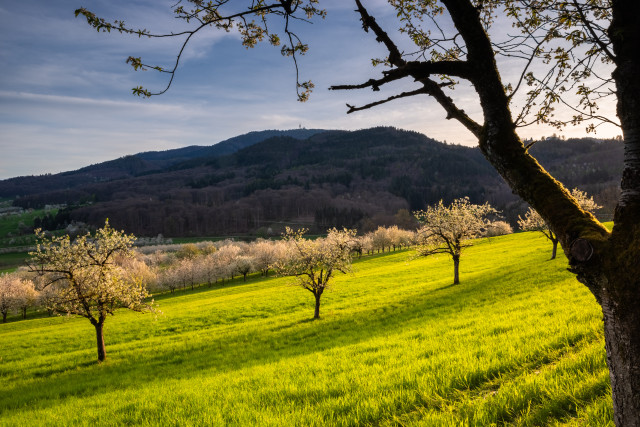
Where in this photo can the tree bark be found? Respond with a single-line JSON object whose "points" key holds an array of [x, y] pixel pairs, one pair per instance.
{"points": [[4, 317], [554, 251], [456, 269], [102, 351], [622, 341], [316, 312]]}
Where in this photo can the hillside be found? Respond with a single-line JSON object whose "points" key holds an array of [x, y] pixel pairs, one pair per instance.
{"points": [[504, 347], [135, 165], [334, 178]]}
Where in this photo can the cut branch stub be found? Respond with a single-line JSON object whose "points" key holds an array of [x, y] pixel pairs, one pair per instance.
{"points": [[581, 250]]}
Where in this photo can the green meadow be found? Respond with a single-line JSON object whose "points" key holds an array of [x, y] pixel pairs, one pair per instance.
{"points": [[518, 342]]}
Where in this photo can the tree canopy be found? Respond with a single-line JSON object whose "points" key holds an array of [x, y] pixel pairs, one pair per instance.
{"points": [[447, 229], [314, 262], [85, 276]]}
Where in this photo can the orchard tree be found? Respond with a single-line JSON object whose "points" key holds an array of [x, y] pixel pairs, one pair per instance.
{"points": [[85, 278], [244, 266], [532, 220], [447, 229], [314, 262], [226, 258], [265, 253], [561, 55], [208, 268], [381, 239], [8, 289], [26, 296], [498, 228]]}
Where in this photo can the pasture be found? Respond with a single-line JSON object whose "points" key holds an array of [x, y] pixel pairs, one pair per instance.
{"points": [[518, 342]]}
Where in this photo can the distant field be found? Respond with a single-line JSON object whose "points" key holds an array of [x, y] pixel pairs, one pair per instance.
{"points": [[10, 224], [518, 342], [11, 261]]}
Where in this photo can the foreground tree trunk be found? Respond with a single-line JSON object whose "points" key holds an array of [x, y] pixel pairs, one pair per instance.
{"points": [[622, 340]]}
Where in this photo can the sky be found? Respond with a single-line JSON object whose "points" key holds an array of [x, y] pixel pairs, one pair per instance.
{"points": [[65, 91]]}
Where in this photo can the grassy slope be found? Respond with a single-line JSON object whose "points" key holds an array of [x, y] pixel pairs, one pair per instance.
{"points": [[518, 342]]}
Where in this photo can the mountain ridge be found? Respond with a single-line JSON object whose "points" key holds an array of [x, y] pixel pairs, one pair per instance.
{"points": [[137, 164], [357, 179]]}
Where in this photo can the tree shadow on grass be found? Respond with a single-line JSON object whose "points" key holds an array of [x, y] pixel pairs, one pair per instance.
{"points": [[444, 288]]}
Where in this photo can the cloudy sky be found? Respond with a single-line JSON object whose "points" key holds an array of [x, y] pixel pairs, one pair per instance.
{"points": [[65, 91]]}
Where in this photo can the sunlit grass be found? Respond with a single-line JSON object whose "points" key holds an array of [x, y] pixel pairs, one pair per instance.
{"points": [[519, 342]]}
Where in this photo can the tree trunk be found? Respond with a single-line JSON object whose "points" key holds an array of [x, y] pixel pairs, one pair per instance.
{"points": [[622, 341], [102, 352], [456, 268], [316, 313], [24, 312], [4, 317], [555, 248], [621, 298]]}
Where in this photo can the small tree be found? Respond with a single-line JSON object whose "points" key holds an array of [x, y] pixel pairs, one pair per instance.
{"points": [[381, 239], [313, 262], [264, 254], [244, 266], [8, 288], [498, 228], [25, 296], [86, 279], [532, 220], [446, 229]]}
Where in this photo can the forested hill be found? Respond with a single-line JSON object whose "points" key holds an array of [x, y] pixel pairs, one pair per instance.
{"points": [[139, 164], [332, 178]]}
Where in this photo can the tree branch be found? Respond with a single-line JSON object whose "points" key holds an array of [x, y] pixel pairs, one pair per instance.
{"points": [[597, 40], [368, 21]]}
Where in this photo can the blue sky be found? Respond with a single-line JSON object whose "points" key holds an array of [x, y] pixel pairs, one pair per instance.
{"points": [[65, 92]]}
